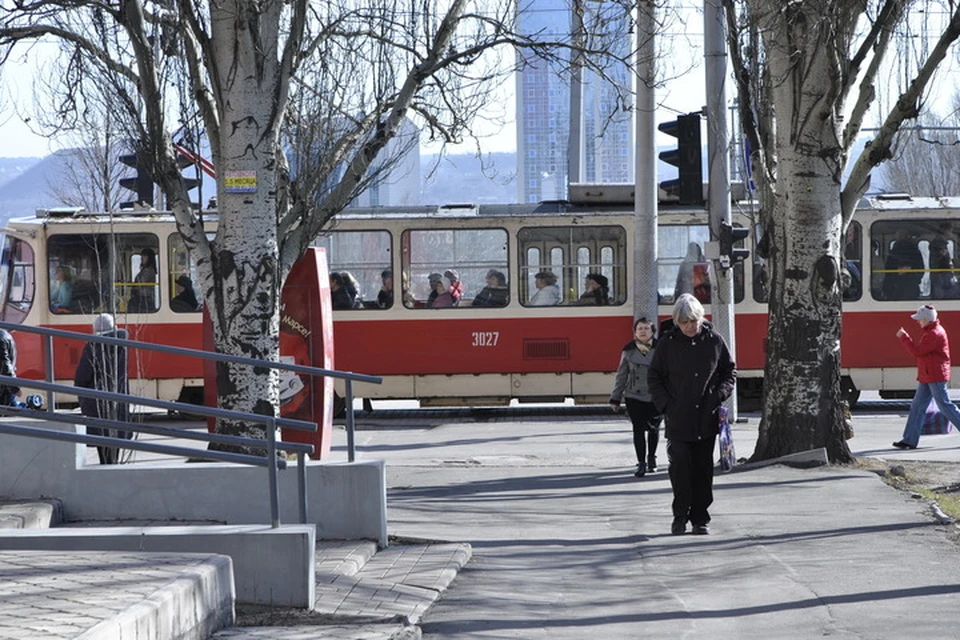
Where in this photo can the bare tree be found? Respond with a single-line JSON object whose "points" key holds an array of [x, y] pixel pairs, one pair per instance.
{"points": [[926, 160], [301, 97], [807, 73]]}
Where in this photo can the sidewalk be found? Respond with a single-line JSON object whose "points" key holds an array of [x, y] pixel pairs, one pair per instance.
{"points": [[567, 544]]}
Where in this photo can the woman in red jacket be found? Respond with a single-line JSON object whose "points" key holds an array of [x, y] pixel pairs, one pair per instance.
{"points": [[932, 351]]}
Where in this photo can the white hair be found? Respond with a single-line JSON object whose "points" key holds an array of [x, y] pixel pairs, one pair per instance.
{"points": [[687, 307]]}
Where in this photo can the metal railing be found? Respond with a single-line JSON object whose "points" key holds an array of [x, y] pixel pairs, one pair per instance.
{"points": [[270, 422]]}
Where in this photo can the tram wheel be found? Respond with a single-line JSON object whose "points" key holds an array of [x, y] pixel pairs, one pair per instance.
{"points": [[849, 391]]}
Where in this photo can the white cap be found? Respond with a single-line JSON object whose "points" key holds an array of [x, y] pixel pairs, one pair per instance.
{"points": [[103, 323], [926, 313]]}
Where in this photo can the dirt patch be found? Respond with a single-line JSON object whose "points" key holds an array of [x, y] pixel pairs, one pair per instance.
{"points": [[910, 475], [936, 482]]}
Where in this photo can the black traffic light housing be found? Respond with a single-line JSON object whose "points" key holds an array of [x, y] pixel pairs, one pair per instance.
{"points": [[730, 235], [688, 186], [141, 182]]}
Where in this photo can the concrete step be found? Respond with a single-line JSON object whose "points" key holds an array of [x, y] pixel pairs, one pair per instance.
{"points": [[110, 596], [362, 593], [398, 583], [30, 514]]}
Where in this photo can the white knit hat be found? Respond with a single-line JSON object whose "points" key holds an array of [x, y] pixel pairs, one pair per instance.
{"points": [[926, 313], [103, 323]]}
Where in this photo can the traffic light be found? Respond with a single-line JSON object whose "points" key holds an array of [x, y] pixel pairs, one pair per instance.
{"points": [[686, 157], [141, 182], [730, 256]]}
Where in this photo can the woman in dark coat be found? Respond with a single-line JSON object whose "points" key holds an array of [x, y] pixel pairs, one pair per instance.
{"points": [[691, 375], [104, 367]]}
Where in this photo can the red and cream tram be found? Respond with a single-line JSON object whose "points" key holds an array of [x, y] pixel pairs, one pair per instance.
{"points": [[468, 353]]}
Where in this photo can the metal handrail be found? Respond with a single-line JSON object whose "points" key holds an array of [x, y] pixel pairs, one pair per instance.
{"points": [[270, 443], [347, 376], [271, 422]]}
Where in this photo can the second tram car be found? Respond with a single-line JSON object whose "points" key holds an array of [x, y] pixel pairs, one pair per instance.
{"points": [[519, 326]]}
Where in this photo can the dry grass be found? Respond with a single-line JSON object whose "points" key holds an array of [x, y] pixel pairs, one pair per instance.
{"points": [[936, 481]]}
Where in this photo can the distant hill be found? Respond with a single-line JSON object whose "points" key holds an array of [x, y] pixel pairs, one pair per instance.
{"points": [[24, 184]]}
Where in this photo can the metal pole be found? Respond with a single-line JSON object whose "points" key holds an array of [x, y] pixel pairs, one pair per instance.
{"points": [[272, 472], [302, 485], [48, 365], [718, 198], [575, 149], [351, 444], [646, 191]]}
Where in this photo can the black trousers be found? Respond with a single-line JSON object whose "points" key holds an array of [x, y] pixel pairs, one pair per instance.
{"points": [[691, 476], [646, 429]]}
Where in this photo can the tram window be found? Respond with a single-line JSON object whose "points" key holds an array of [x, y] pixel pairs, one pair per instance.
{"points": [[182, 277], [470, 263], [913, 259], [97, 286], [138, 261], [851, 271], [851, 274], [17, 283], [682, 267], [573, 254], [363, 258]]}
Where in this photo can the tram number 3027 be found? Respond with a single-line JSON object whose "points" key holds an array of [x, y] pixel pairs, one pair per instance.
{"points": [[485, 338]]}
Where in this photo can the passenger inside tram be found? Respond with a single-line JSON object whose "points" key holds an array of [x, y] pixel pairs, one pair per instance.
{"points": [[339, 295], [61, 289], [440, 296], [548, 291], [385, 296], [904, 269], [186, 298], [495, 294], [943, 278], [692, 277], [142, 296], [596, 290]]}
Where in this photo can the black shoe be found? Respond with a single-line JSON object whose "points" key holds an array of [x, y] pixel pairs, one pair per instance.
{"points": [[903, 445], [641, 471], [700, 530], [679, 527], [652, 465]]}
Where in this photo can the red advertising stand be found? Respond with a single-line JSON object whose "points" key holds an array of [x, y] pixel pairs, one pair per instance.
{"points": [[306, 338]]}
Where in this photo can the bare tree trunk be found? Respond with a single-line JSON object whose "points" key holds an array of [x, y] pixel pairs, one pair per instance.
{"points": [[803, 338], [803, 407], [246, 280]]}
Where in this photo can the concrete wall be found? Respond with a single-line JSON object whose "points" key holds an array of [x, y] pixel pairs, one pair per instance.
{"points": [[346, 501], [270, 566]]}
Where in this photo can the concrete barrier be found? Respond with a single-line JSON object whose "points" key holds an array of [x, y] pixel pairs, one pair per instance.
{"points": [[270, 566], [346, 501]]}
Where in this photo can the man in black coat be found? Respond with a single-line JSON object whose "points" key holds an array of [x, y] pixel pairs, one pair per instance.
{"points": [[104, 367], [690, 376]]}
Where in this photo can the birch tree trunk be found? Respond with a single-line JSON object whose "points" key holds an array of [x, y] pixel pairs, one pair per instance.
{"points": [[244, 275], [803, 407]]}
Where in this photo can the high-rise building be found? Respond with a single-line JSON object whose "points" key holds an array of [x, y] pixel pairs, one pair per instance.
{"points": [[543, 101]]}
